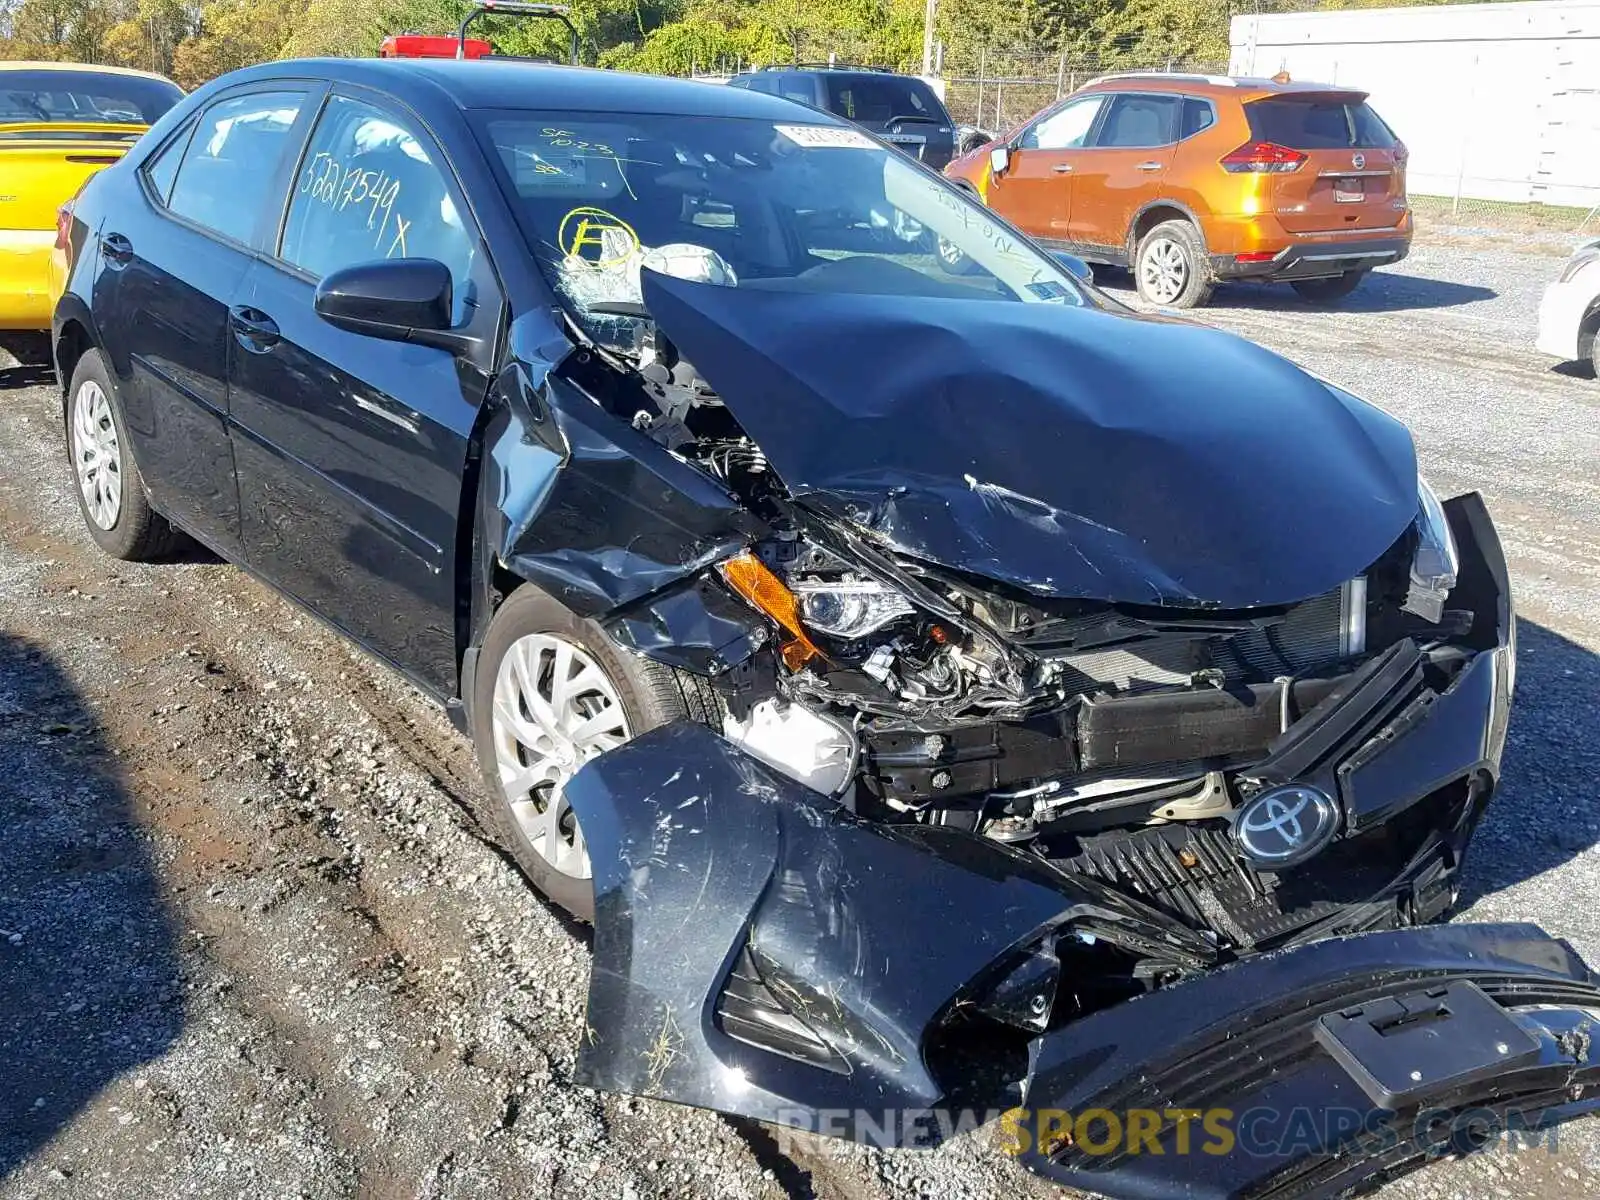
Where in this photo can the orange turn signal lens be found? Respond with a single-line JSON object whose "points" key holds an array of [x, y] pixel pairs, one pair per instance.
{"points": [[754, 580]]}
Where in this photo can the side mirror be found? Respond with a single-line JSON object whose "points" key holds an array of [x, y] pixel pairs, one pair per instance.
{"points": [[399, 299], [999, 160], [1075, 266]]}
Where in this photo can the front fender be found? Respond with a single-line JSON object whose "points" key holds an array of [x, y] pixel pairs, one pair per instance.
{"points": [[588, 508]]}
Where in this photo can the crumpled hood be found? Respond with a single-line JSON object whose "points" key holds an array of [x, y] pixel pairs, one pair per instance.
{"points": [[1069, 451]]}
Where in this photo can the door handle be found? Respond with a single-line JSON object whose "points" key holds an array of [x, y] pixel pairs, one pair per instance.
{"points": [[1149, 166], [116, 249], [1062, 168], [253, 329]]}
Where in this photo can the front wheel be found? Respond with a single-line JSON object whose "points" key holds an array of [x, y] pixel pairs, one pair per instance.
{"points": [[1171, 268], [1325, 291], [553, 691]]}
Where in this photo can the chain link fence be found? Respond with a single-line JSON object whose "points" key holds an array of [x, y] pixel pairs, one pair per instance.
{"points": [[997, 89]]}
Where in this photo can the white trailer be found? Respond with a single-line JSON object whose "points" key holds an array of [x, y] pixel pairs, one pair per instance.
{"points": [[1494, 101]]}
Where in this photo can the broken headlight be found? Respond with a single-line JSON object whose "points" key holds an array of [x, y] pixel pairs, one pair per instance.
{"points": [[849, 608], [1434, 563]]}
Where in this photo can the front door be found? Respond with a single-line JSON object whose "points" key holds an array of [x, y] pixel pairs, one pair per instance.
{"points": [[1035, 192], [351, 450], [1124, 167]]}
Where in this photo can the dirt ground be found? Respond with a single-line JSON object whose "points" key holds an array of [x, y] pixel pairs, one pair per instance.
{"points": [[252, 941]]}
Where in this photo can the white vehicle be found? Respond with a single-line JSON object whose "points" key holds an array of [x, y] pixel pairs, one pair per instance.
{"points": [[1569, 314]]}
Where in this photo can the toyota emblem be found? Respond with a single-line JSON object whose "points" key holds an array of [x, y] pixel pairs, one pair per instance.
{"points": [[1286, 825], [1358, 161]]}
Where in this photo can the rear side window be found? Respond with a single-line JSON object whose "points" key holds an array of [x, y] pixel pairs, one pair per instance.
{"points": [[232, 161], [1139, 121], [879, 99], [371, 187], [162, 168], [1198, 116], [1318, 124], [797, 87]]}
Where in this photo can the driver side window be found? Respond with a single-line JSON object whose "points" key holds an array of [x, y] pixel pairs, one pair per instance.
{"points": [[371, 187], [1065, 129]]}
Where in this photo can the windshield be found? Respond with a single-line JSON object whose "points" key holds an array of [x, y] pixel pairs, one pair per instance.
{"points": [[751, 204], [56, 97], [878, 100]]}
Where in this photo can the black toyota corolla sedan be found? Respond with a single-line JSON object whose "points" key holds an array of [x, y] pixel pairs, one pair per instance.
{"points": [[907, 658]]}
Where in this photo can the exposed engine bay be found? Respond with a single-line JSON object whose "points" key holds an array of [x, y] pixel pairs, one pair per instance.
{"points": [[1120, 741]]}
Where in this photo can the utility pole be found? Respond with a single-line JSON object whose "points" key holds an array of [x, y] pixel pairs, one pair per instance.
{"points": [[927, 37]]}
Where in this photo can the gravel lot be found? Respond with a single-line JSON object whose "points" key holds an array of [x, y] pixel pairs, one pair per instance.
{"points": [[252, 941]]}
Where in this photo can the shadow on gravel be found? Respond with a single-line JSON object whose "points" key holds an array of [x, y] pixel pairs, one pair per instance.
{"points": [[89, 973], [1544, 813], [15, 377], [1382, 291]]}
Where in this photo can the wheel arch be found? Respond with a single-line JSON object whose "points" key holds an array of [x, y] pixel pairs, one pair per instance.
{"points": [[1155, 213]]}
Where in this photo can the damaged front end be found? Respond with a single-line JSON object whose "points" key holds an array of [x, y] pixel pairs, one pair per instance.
{"points": [[1027, 723]]}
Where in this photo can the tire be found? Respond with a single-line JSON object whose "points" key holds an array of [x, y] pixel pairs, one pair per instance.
{"points": [[1326, 291], [1171, 267], [528, 633], [111, 494]]}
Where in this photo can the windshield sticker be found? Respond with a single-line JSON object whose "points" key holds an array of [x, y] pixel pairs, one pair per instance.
{"points": [[1050, 290], [826, 137], [610, 239]]}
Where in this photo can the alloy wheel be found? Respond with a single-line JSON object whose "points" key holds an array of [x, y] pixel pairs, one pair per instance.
{"points": [[1163, 270], [96, 454], [555, 708]]}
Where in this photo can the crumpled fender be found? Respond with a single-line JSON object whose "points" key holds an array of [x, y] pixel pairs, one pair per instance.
{"points": [[705, 859], [590, 509]]}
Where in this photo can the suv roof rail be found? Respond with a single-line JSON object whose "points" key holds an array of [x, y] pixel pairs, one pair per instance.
{"points": [[825, 66], [1193, 77]]}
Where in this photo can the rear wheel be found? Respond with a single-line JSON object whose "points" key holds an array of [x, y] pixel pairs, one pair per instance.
{"points": [[1170, 266], [553, 691], [110, 490], [1325, 291]]}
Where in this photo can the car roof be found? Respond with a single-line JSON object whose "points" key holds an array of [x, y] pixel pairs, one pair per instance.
{"points": [[491, 83], [91, 68], [1243, 88]]}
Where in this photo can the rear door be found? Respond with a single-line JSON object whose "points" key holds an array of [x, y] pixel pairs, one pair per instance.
{"points": [[1035, 192], [173, 259], [1353, 171], [351, 449], [1124, 168]]}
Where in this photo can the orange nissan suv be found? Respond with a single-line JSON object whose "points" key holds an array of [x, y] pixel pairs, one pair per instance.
{"points": [[1189, 180]]}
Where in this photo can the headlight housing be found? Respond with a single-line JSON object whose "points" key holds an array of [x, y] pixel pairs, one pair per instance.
{"points": [[849, 608], [1435, 563]]}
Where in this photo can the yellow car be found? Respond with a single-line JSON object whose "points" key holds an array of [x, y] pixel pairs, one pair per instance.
{"points": [[59, 124]]}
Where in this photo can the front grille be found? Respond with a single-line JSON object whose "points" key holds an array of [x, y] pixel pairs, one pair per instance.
{"points": [[1191, 872], [1312, 636]]}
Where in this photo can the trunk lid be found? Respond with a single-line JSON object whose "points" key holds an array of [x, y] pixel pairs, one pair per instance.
{"points": [[44, 164], [1353, 173]]}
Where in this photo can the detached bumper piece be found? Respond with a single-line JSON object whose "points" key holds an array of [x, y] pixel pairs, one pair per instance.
{"points": [[1312, 1071]]}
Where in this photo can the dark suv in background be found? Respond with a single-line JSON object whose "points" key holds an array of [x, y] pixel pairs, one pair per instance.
{"points": [[901, 109]]}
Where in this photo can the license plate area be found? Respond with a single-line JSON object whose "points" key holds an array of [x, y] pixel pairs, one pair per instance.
{"points": [[1401, 1049], [1349, 189]]}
